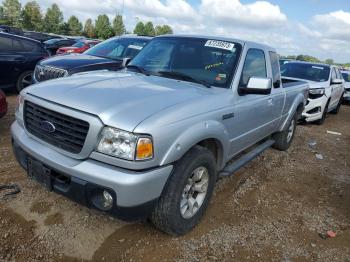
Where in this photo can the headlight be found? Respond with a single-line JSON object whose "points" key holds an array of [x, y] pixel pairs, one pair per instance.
{"points": [[125, 145], [19, 108], [317, 91]]}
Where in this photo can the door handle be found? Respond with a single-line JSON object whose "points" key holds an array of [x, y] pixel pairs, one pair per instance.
{"points": [[270, 101]]}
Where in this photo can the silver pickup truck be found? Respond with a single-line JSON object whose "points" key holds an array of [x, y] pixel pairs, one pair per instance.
{"points": [[152, 140]]}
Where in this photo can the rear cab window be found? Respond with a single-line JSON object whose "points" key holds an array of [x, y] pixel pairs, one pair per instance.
{"points": [[275, 66]]}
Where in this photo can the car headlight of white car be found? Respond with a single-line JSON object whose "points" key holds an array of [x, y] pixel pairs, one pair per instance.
{"points": [[125, 145], [317, 91]]}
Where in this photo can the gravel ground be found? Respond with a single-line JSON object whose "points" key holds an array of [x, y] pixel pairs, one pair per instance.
{"points": [[275, 209]]}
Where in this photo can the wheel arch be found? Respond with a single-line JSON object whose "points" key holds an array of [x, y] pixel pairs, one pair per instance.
{"points": [[210, 134]]}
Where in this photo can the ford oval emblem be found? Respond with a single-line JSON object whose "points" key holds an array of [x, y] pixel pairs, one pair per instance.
{"points": [[47, 126]]}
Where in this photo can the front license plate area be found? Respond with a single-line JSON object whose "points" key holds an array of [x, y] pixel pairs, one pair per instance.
{"points": [[40, 173]]}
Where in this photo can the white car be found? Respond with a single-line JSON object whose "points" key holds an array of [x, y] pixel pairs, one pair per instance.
{"points": [[326, 88], [346, 76]]}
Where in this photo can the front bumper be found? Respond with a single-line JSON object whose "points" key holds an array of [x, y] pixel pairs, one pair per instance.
{"points": [[135, 192], [346, 96], [314, 108]]}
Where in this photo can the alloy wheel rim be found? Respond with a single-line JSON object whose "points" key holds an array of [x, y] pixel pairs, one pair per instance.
{"points": [[194, 192], [27, 80], [290, 131]]}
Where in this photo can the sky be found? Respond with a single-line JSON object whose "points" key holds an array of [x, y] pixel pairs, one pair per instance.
{"points": [[320, 28]]}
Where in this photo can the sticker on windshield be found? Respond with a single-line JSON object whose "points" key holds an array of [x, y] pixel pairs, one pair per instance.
{"points": [[318, 67], [220, 44], [135, 47]]}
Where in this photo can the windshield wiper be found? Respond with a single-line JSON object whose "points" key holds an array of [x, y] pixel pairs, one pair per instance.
{"points": [[183, 76], [139, 69]]}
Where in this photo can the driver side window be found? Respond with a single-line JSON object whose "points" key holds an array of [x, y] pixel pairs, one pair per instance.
{"points": [[254, 65]]}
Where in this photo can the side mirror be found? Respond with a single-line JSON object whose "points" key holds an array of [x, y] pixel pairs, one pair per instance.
{"points": [[258, 86], [337, 81], [126, 61]]}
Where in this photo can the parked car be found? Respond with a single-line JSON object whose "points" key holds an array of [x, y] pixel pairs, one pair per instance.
{"points": [[18, 57], [79, 47], [283, 61], [3, 104], [152, 140], [346, 76], [326, 88], [53, 45], [42, 37], [107, 55], [11, 30]]}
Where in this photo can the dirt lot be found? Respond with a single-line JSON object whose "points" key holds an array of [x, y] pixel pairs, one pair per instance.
{"points": [[272, 210]]}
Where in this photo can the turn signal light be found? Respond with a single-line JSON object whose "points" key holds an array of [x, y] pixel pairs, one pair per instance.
{"points": [[144, 149]]}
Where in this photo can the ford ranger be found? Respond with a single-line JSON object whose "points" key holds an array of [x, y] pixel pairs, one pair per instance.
{"points": [[151, 141]]}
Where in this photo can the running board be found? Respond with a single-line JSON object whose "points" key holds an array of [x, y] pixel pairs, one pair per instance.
{"points": [[246, 158]]}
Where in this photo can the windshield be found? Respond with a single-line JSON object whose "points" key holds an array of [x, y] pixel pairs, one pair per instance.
{"points": [[118, 48], [200, 60], [79, 44], [346, 77], [311, 72]]}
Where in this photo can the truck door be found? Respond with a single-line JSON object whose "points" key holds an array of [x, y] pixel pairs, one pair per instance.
{"points": [[7, 60], [335, 88], [277, 98], [255, 115]]}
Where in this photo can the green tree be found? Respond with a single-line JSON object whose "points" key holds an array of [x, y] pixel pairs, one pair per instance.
{"points": [[307, 58], [53, 20], [103, 27], [12, 13], [139, 28], [2, 17], [329, 61], [118, 25], [74, 26], [89, 29], [149, 29], [64, 29], [32, 18], [163, 30]]}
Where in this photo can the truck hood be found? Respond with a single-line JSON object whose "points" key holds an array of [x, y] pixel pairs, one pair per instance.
{"points": [[70, 62], [312, 84], [120, 99]]}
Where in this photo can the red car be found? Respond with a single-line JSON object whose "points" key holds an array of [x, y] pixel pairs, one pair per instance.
{"points": [[3, 104], [79, 47]]}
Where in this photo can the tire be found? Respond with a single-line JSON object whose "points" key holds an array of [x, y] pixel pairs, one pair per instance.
{"points": [[24, 80], [336, 110], [324, 115], [284, 139], [168, 215]]}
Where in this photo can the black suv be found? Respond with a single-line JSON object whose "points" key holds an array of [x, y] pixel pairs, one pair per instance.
{"points": [[18, 57], [108, 55]]}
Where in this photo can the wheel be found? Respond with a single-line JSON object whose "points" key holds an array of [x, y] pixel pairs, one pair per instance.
{"points": [[336, 110], [284, 139], [24, 80], [324, 115], [187, 193]]}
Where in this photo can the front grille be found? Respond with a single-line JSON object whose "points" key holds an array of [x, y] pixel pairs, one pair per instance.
{"points": [[43, 73], [69, 133]]}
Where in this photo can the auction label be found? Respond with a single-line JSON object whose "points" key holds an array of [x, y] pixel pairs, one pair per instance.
{"points": [[220, 44]]}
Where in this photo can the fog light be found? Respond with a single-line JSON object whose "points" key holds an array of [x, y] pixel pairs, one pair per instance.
{"points": [[107, 199], [102, 199]]}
